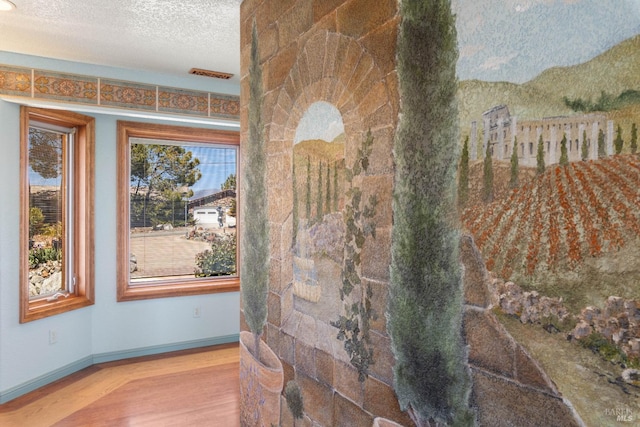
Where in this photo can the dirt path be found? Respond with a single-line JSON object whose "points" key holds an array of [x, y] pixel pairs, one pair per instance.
{"points": [[165, 254], [583, 378]]}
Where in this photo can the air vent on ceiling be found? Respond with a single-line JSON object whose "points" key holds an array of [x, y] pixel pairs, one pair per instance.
{"points": [[209, 73]]}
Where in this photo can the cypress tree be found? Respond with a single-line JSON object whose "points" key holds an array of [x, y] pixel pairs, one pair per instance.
{"points": [[540, 157], [564, 156], [513, 182], [327, 208], [487, 176], [602, 150], [424, 319], [254, 268], [319, 200], [585, 148], [335, 186], [307, 205], [463, 174], [618, 143], [634, 139], [295, 203]]}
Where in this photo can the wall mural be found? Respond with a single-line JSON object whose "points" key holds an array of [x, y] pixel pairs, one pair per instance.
{"points": [[454, 240], [549, 184]]}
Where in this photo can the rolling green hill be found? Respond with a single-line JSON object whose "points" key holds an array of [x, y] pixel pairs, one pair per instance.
{"points": [[613, 72]]}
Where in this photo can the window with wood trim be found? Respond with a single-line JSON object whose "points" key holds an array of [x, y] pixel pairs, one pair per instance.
{"points": [[56, 204], [176, 211]]}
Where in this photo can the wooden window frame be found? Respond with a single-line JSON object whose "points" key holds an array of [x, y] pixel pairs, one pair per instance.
{"points": [[161, 288], [83, 193]]}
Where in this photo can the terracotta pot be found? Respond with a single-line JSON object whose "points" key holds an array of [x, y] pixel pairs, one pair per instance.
{"points": [[383, 422], [260, 384]]}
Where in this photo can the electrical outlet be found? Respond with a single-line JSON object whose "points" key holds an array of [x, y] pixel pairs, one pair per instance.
{"points": [[196, 312], [53, 336]]}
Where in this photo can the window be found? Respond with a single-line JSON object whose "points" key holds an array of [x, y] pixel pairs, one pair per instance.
{"points": [[56, 222], [176, 211]]}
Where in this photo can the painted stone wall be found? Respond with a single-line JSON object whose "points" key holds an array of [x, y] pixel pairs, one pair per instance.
{"points": [[330, 110]]}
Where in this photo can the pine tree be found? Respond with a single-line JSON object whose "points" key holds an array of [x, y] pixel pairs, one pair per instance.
{"points": [[540, 157], [513, 182], [564, 155], [618, 143], [463, 174], [602, 150], [585, 147], [634, 138]]}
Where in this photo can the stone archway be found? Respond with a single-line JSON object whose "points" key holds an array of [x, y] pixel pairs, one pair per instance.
{"points": [[338, 70]]}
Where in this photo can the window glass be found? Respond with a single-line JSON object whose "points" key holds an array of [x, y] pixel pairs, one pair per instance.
{"points": [[48, 177], [177, 204], [56, 202], [182, 210]]}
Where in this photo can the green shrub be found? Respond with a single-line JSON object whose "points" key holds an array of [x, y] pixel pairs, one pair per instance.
{"points": [[220, 260], [42, 255], [599, 344], [294, 399]]}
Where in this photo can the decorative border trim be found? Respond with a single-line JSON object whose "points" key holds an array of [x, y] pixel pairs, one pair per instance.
{"points": [[88, 90], [94, 359]]}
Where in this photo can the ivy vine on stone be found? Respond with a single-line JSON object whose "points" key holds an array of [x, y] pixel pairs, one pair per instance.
{"points": [[354, 325]]}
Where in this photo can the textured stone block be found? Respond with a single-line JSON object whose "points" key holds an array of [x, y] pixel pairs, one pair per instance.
{"points": [[504, 403], [383, 359], [318, 400], [346, 382], [358, 17], [274, 314], [325, 366], [347, 414], [279, 67], [529, 373], [323, 7], [379, 301], [294, 22], [305, 359], [490, 348], [376, 255], [475, 276], [381, 43], [380, 399]]}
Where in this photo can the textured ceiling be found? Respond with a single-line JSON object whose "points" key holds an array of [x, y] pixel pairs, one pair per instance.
{"points": [[165, 36]]}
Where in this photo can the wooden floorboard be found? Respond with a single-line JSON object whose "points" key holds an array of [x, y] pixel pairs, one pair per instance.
{"points": [[190, 388]]}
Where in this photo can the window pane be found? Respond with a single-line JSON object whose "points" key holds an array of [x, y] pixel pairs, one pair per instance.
{"points": [[182, 210], [46, 173]]}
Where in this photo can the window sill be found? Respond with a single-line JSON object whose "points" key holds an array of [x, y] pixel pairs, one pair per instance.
{"points": [[177, 288], [42, 308]]}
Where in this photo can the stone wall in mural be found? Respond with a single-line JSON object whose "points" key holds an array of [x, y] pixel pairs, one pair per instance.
{"points": [[549, 186]]}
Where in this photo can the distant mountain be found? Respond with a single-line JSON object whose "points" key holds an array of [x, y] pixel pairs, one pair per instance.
{"points": [[614, 71], [319, 149]]}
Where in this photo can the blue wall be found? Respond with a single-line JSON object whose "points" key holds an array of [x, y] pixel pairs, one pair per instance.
{"points": [[108, 330]]}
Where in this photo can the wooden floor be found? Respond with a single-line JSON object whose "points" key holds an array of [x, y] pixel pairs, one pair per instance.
{"points": [[188, 388]]}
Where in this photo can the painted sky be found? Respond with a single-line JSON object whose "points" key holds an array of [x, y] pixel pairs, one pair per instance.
{"points": [[321, 121], [515, 40]]}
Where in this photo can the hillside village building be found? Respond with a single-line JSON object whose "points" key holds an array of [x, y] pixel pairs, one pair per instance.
{"points": [[500, 129]]}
